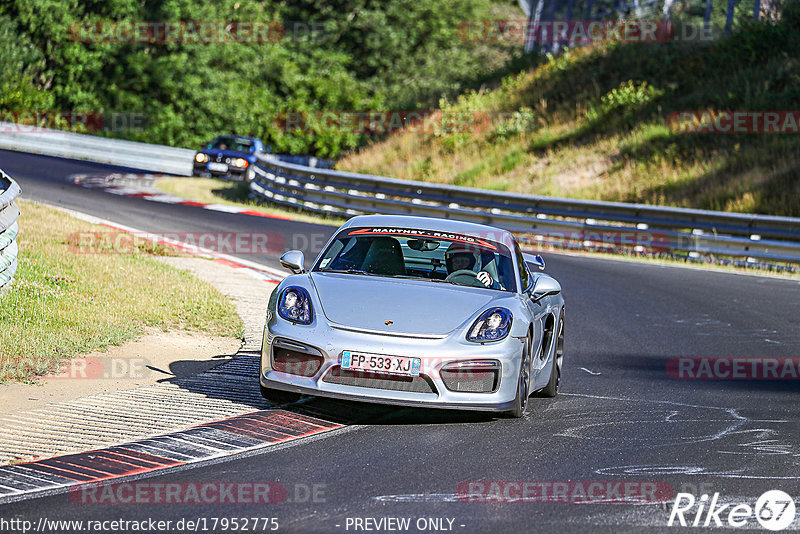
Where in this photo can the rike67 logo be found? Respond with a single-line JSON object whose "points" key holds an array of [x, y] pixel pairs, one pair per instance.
{"points": [[774, 510]]}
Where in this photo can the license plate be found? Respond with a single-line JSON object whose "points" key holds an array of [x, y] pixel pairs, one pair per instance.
{"points": [[380, 363], [220, 167]]}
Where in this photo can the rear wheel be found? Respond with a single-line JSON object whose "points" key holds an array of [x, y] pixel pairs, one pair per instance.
{"points": [[551, 389], [278, 396], [523, 383]]}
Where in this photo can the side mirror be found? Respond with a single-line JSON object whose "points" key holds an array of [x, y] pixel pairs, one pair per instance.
{"points": [[531, 280], [293, 260], [545, 286], [538, 261]]}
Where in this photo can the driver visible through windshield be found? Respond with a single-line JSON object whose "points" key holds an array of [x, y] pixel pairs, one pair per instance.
{"points": [[421, 254]]}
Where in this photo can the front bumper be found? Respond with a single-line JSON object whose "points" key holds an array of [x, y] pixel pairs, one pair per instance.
{"points": [[325, 343], [232, 172]]}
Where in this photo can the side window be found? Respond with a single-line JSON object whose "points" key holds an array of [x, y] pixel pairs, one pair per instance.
{"points": [[523, 271]]}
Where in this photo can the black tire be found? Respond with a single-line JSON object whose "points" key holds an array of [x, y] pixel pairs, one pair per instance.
{"points": [[278, 396], [523, 383], [551, 389]]}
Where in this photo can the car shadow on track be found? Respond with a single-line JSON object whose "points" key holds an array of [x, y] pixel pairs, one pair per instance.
{"points": [[363, 413], [237, 381]]}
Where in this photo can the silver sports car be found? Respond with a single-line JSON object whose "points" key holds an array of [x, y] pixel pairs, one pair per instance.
{"points": [[415, 311]]}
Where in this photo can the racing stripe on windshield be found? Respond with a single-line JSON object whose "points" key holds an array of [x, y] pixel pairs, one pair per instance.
{"points": [[405, 232]]}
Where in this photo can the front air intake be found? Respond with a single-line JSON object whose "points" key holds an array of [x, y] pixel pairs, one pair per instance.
{"points": [[347, 377], [472, 377], [295, 358]]}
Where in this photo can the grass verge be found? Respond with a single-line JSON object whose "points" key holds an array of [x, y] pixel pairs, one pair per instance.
{"points": [[216, 191], [599, 123], [63, 303]]}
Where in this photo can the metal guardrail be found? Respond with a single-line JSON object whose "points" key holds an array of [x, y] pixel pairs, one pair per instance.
{"points": [[306, 161], [572, 222], [9, 227], [145, 156]]}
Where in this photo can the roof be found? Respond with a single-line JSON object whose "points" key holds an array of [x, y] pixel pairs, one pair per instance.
{"points": [[234, 136]]}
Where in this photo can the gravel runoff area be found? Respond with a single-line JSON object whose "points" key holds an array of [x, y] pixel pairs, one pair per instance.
{"points": [[174, 401]]}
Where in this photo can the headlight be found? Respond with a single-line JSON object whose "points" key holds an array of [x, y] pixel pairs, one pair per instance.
{"points": [[493, 325], [239, 162], [295, 305], [200, 157]]}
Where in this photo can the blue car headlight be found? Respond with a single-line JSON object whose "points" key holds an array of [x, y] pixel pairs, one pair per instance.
{"points": [[294, 305], [493, 325]]}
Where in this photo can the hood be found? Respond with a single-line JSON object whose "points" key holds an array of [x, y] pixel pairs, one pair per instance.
{"points": [[413, 306]]}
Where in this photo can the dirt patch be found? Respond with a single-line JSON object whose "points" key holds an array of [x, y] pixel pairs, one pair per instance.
{"points": [[584, 171], [156, 357]]}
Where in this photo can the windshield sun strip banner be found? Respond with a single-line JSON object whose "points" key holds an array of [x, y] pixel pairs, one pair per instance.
{"points": [[408, 232]]}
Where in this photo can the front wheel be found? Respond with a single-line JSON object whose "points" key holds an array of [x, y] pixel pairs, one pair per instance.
{"points": [[551, 389], [523, 383]]}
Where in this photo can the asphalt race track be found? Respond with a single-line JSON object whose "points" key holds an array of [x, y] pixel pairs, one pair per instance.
{"points": [[620, 418]]}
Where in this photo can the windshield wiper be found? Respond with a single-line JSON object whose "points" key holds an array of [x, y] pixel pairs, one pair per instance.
{"points": [[442, 281], [347, 271]]}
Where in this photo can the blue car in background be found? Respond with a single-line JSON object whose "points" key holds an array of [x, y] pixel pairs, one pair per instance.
{"points": [[232, 157]]}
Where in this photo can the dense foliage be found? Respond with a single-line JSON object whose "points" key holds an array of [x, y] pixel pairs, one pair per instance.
{"points": [[331, 54], [602, 123]]}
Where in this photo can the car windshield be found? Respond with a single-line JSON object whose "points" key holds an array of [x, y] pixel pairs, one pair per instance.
{"points": [[231, 143], [421, 254]]}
